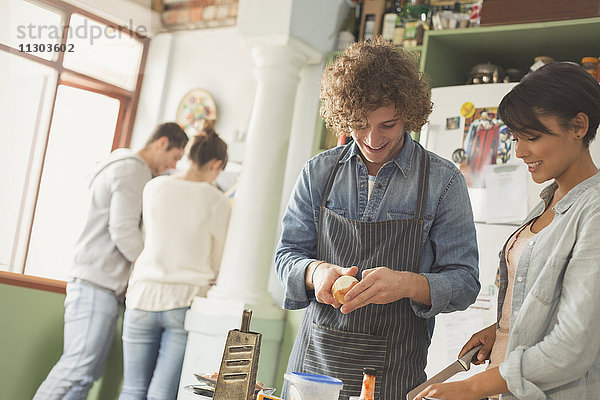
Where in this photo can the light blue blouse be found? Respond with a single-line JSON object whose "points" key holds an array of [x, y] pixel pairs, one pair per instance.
{"points": [[554, 345]]}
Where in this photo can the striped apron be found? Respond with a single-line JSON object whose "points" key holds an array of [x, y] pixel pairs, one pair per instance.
{"points": [[387, 337]]}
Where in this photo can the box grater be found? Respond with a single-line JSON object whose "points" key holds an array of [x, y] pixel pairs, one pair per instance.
{"points": [[237, 376]]}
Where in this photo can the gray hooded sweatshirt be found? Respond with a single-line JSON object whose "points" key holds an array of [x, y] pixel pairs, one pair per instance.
{"points": [[112, 237]]}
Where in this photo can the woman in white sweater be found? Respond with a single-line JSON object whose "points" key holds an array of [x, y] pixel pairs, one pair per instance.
{"points": [[185, 218]]}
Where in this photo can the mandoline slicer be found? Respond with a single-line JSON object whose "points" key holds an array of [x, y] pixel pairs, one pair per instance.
{"points": [[237, 376]]}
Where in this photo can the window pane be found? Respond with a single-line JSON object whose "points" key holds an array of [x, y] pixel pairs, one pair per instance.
{"points": [[103, 52], [82, 133], [31, 27], [26, 94]]}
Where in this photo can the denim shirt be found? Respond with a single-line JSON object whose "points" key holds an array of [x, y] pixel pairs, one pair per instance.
{"points": [[554, 344], [449, 247]]}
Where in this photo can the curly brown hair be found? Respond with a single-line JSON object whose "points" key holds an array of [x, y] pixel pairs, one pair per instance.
{"points": [[370, 75]]}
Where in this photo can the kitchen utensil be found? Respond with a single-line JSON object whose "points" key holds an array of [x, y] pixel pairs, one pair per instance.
{"points": [[460, 365], [237, 375], [199, 390], [209, 381], [206, 381], [486, 73]]}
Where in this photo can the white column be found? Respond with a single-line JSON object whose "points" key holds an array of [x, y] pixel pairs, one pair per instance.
{"points": [[251, 237]]}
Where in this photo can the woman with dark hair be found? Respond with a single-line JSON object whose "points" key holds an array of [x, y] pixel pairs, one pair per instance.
{"points": [[185, 220], [546, 344]]}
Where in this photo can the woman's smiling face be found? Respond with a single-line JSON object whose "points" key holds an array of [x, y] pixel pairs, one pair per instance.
{"points": [[549, 156], [382, 138]]}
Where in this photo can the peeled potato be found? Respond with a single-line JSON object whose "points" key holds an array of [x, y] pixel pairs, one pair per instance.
{"points": [[341, 286]]}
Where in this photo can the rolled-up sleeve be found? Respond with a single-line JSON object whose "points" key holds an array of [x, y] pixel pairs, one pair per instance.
{"points": [[453, 278], [297, 246], [128, 181], [572, 346]]}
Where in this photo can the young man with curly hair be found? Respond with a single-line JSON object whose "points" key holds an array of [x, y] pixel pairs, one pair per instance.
{"points": [[382, 209]]}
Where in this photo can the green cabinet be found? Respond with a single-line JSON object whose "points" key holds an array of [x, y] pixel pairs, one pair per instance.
{"points": [[449, 55]]}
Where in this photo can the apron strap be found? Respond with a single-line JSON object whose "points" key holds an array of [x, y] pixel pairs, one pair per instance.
{"points": [[332, 175], [423, 182], [423, 185]]}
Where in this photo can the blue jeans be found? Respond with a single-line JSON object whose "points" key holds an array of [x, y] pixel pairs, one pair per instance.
{"points": [[91, 315], [153, 348]]}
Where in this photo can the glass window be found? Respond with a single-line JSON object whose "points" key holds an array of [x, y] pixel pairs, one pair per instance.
{"points": [[82, 132], [52, 134], [103, 52], [32, 28], [26, 95]]}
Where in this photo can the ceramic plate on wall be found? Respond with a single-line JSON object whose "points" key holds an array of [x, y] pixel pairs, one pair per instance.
{"points": [[195, 107]]}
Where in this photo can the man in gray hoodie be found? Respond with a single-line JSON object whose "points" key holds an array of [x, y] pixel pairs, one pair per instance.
{"points": [[109, 244]]}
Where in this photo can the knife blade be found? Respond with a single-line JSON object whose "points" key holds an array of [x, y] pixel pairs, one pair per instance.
{"points": [[460, 365], [206, 381]]}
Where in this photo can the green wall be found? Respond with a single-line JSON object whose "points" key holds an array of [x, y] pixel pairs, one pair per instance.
{"points": [[31, 337], [292, 323]]}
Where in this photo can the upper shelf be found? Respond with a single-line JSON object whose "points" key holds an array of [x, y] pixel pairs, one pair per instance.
{"points": [[448, 56]]}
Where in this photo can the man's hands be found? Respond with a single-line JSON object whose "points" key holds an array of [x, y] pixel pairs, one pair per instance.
{"points": [[379, 285], [382, 285], [322, 280]]}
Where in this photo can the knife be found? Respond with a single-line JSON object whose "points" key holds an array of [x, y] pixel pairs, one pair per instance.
{"points": [[206, 381], [460, 365]]}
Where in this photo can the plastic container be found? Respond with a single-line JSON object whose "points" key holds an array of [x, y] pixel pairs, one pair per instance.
{"points": [[313, 387]]}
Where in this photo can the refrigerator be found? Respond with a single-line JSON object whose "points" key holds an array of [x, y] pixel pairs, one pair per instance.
{"points": [[464, 128]]}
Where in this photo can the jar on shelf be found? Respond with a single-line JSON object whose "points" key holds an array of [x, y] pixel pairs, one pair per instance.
{"points": [[590, 64], [539, 62]]}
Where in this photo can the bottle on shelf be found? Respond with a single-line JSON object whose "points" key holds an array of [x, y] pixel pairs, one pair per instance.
{"points": [[369, 27], [411, 25], [367, 392], [417, 21], [475, 17], [349, 28], [398, 38], [389, 20], [590, 64], [423, 15]]}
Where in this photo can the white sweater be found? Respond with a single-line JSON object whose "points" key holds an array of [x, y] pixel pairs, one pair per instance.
{"points": [[185, 224]]}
